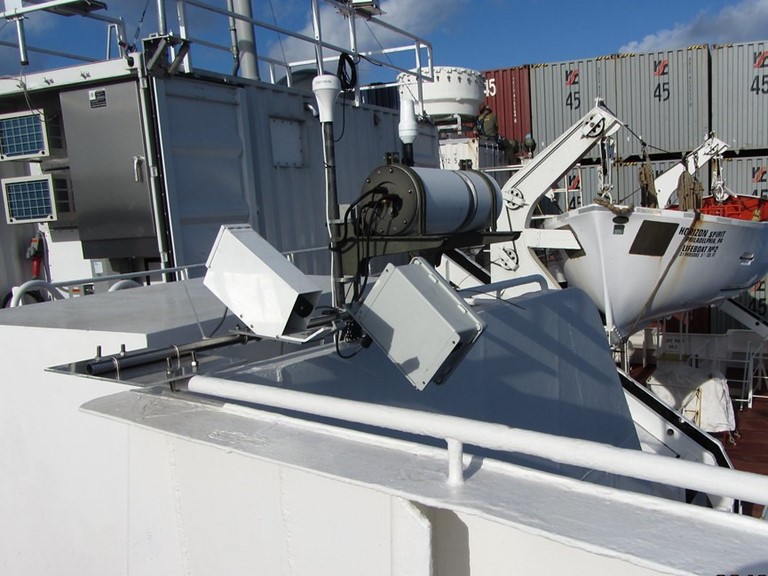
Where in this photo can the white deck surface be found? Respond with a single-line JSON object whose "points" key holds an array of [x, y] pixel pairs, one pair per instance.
{"points": [[644, 530]]}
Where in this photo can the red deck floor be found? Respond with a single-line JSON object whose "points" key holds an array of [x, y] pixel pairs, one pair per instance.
{"points": [[750, 453]]}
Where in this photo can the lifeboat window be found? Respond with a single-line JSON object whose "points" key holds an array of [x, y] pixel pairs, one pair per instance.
{"points": [[653, 238]]}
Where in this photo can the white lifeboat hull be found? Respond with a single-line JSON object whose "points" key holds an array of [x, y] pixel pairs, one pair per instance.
{"points": [[650, 263]]}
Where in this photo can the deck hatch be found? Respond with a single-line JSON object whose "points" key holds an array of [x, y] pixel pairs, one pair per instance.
{"points": [[29, 199], [23, 136], [653, 238]]}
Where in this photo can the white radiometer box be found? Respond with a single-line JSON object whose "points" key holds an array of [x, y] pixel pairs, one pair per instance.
{"points": [[419, 321], [258, 284]]}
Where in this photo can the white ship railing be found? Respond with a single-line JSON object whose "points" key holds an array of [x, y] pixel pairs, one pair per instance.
{"points": [[457, 432], [121, 281], [419, 47], [417, 51], [115, 26]]}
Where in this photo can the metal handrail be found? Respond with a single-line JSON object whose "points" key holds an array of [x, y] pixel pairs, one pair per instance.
{"points": [[457, 431], [53, 287], [118, 24], [423, 71]]}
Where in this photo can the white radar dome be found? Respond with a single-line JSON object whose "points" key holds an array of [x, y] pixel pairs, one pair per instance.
{"points": [[454, 91]]}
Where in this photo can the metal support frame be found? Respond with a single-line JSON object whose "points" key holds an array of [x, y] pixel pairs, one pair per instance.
{"points": [[424, 70], [431, 247], [16, 11]]}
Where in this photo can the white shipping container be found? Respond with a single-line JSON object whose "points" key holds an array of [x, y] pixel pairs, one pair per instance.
{"points": [[563, 92], [663, 97], [745, 175], [740, 94]]}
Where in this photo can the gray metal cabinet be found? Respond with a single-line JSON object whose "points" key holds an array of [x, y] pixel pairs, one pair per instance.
{"points": [[107, 159]]}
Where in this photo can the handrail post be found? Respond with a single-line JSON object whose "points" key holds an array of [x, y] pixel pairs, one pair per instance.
{"points": [[455, 462]]}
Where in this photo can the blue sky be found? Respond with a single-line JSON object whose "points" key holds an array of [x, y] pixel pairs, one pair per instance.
{"points": [[480, 34]]}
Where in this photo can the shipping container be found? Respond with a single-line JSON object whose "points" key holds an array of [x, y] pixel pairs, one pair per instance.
{"points": [[563, 92], [663, 98], [482, 154], [508, 93], [577, 188], [740, 94], [745, 175], [386, 97]]}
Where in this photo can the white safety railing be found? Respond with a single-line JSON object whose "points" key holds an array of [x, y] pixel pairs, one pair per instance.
{"points": [[122, 281], [419, 48], [457, 432], [18, 12]]}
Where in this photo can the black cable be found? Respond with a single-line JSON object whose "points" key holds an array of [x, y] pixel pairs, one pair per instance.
{"points": [[374, 222], [340, 244], [347, 72], [132, 47], [343, 122], [644, 143], [220, 324]]}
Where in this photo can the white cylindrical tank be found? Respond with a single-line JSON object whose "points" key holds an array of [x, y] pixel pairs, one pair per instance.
{"points": [[403, 201], [454, 91]]}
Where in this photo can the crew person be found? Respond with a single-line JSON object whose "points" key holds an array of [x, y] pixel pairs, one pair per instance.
{"points": [[487, 126]]}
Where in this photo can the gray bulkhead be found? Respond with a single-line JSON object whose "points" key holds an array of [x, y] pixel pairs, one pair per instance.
{"points": [[253, 153]]}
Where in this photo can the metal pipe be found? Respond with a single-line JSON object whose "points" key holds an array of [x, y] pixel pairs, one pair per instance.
{"points": [[18, 293], [318, 37], [147, 89], [332, 208], [161, 26], [181, 16], [124, 285], [499, 287], [745, 486], [67, 55], [233, 48], [52, 286], [121, 361], [246, 40], [22, 37], [455, 462], [110, 27]]}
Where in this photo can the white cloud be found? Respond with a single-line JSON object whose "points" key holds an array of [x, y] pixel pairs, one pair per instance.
{"points": [[419, 17], [747, 20]]}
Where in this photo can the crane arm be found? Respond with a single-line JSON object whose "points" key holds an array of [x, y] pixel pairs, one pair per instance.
{"points": [[666, 183]]}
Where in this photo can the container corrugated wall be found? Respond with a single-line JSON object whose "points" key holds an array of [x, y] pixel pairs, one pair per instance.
{"points": [[740, 95], [747, 175], [664, 98], [508, 93], [578, 188], [388, 97], [563, 92]]}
